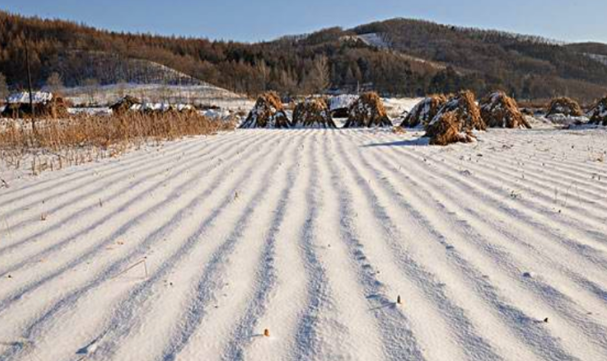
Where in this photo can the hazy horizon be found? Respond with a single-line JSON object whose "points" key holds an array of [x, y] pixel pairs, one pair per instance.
{"points": [[239, 20]]}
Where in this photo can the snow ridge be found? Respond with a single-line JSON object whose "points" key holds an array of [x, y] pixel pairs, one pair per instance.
{"points": [[191, 250]]}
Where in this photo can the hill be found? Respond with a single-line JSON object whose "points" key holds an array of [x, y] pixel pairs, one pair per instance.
{"points": [[397, 57]]}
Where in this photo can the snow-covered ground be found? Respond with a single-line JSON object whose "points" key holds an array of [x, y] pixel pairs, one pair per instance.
{"points": [[395, 107], [205, 94], [189, 251], [375, 39]]}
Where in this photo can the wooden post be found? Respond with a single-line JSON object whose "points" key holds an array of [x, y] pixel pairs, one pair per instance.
{"points": [[29, 85]]}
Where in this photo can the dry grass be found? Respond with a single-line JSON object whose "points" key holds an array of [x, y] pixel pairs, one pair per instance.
{"points": [[598, 114], [424, 111], [124, 104], [313, 112], [498, 110], [448, 129], [268, 112], [467, 112], [76, 140], [565, 106], [456, 120], [368, 111], [398, 130]]}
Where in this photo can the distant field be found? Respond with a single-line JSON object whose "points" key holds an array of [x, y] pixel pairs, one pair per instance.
{"points": [[205, 94], [192, 249]]}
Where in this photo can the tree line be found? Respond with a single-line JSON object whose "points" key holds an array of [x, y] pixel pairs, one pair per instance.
{"points": [[424, 58]]}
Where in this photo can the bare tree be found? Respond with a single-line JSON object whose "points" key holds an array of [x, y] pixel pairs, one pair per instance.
{"points": [[287, 81], [54, 83], [263, 72], [121, 88], [322, 73], [91, 87], [4, 93], [165, 90], [318, 78], [30, 88]]}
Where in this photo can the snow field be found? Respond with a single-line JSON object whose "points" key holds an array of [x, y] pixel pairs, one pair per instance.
{"points": [[190, 250]]}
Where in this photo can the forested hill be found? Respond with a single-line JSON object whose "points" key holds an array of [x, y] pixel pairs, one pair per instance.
{"points": [[399, 57]]}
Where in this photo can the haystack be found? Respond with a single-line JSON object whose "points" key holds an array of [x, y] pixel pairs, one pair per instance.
{"points": [[368, 111], [424, 111], [466, 110], [125, 104], [498, 110], [598, 114], [564, 106], [448, 129], [313, 113], [268, 112], [456, 120]]}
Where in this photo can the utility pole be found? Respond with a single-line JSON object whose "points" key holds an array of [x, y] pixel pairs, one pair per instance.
{"points": [[29, 85]]}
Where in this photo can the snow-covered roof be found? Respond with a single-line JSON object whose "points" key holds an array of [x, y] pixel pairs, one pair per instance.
{"points": [[24, 97]]}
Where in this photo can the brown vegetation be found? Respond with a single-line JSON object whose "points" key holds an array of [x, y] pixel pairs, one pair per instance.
{"points": [[124, 105], [456, 120], [564, 106], [498, 110], [313, 113], [368, 111], [448, 129], [98, 134], [474, 59], [424, 111], [467, 111], [268, 112], [56, 108], [598, 114]]}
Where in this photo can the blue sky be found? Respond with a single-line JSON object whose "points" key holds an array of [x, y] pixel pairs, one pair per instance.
{"points": [[251, 20]]}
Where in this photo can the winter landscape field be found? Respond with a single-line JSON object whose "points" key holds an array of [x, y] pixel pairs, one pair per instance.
{"points": [[231, 181]]}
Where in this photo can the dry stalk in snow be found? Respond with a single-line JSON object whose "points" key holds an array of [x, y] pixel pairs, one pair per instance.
{"points": [[81, 139]]}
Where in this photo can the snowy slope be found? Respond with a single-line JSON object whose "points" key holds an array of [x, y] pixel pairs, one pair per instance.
{"points": [[189, 251], [374, 39], [203, 94]]}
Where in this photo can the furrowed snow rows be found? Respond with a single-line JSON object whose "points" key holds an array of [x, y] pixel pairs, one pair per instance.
{"points": [[191, 250]]}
